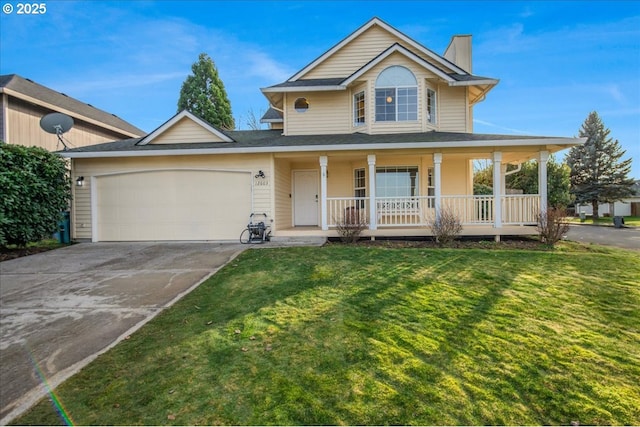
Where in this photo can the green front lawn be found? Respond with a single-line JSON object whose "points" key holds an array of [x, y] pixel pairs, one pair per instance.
{"points": [[371, 335]]}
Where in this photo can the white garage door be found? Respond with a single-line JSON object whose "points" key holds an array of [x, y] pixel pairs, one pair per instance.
{"points": [[173, 205]]}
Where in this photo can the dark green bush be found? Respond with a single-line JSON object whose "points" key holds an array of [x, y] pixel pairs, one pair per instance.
{"points": [[35, 188]]}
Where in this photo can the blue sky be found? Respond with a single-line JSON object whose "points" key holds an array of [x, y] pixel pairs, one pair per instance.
{"points": [[556, 61]]}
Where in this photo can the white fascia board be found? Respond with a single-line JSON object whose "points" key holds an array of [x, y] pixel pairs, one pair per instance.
{"points": [[303, 89], [175, 119], [73, 114], [564, 142], [492, 82], [408, 54], [365, 27]]}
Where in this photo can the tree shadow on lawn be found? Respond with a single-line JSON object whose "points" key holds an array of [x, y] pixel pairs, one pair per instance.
{"points": [[473, 351], [347, 339]]}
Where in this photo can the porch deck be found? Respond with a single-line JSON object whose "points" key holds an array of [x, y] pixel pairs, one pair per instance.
{"points": [[400, 232]]}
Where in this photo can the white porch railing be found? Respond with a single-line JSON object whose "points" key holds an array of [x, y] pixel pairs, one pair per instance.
{"points": [[347, 209], [404, 211], [471, 210], [520, 209], [419, 211]]}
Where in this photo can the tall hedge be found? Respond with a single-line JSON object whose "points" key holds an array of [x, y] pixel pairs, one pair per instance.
{"points": [[35, 188]]}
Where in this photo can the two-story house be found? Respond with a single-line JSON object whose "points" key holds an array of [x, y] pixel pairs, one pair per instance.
{"points": [[24, 102], [378, 124]]}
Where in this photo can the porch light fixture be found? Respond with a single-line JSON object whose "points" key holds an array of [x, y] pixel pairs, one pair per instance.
{"points": [[260, 174], [80, 181]]}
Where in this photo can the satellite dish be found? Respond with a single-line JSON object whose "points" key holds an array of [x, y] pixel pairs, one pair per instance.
{"points": [[57, 123]]}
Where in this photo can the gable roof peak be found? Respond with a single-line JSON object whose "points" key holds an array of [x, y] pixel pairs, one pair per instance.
{"points": [[175, 119], [375, 21]]}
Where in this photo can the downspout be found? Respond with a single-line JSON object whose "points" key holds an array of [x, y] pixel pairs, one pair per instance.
{"points": [[506, 174], [517, 169]]}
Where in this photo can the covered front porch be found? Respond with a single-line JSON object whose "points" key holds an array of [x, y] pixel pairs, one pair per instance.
{"points": [[399, 194]]}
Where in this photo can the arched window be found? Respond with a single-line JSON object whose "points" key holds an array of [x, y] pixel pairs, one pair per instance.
{"points": [[396, 95]]}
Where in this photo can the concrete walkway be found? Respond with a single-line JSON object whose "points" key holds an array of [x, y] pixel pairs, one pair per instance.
{"points": [[60, 309]]}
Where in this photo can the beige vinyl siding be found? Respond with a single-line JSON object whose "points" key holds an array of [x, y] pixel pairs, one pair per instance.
{"points": [[328, 113], [22, 127], [282, 191], [340, 180], [4, 112], [82, 215], [455, 176], [184, 132], [453, 109], [356, 54]]}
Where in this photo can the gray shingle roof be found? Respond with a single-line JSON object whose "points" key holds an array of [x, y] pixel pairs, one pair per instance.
{"points": [[32, 89], [274, 138], [272, 116], [311, 82], [468, 77]]}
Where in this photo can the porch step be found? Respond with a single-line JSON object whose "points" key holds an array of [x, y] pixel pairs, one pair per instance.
{"points": [[297, 240]]}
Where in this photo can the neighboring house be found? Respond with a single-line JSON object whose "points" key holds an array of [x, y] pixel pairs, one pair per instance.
{"points": [[378, 125], [629, 206], [23, 103]]}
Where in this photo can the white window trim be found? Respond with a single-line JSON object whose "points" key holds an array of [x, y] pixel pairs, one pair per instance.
{"points": [[432, 119], [395, 89], [355, 109], [355, 177]]}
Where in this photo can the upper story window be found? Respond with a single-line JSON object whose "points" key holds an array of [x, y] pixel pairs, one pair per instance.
{"points": [[431, 106], [358, 109], [396, 95]]}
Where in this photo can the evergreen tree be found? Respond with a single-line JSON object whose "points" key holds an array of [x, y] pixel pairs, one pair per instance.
{"points": [[203, 94], [598, 175]]}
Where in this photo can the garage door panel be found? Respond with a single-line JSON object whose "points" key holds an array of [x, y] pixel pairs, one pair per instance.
{"points": [[173, 205]]}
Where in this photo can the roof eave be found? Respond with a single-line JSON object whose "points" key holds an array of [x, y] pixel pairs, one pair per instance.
{"points": [[491, 82], [327, 88], [559, 142]]}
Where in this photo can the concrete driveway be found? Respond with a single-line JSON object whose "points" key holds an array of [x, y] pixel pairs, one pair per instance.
{"points": [[60, 309]]}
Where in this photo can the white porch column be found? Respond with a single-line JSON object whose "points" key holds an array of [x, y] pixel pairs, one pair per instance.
{"points": [[503, 180], [323, 192], [542, 180], [373, 218], [437, 181], [497, 186]]}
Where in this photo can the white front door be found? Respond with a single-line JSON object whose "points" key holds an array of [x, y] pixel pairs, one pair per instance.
{"points": [[305, 198]]}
